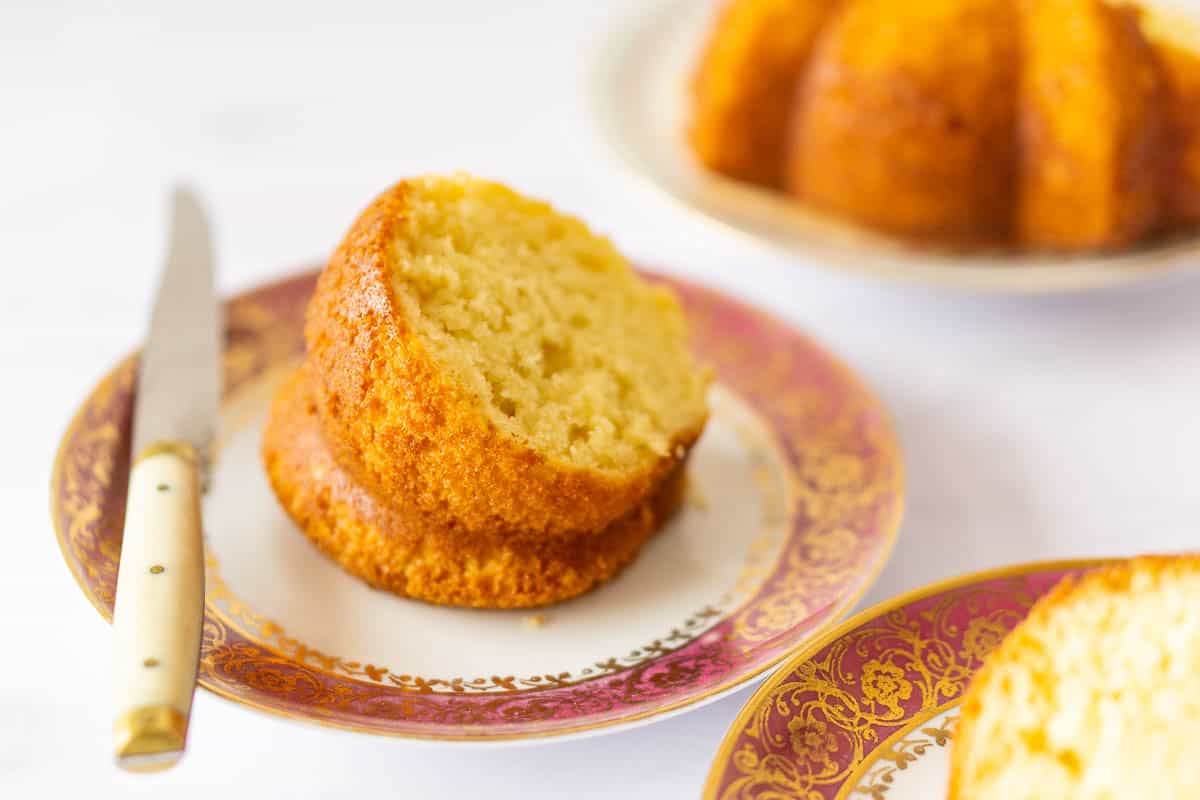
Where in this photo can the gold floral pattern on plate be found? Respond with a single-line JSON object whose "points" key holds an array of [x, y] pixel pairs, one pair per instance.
{"points": [[825, 715], [845, 480]]}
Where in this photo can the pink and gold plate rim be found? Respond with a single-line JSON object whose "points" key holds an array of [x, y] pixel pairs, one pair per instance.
{"points": [[881, 533], [717, 786]]}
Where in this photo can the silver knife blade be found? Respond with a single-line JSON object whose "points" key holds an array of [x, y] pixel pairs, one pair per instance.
{"points": [[179, 383]]}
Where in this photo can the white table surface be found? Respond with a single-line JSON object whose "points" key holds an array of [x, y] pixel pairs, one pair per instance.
{"points": [[1032, 428]]}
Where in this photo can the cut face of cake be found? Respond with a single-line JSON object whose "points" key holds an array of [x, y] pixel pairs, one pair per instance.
{"points": [[1094, 696], [490, 363], [494, 410]]}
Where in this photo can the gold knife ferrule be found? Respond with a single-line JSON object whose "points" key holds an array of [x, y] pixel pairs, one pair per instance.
{"points": [[149, 738], [178, 448]]}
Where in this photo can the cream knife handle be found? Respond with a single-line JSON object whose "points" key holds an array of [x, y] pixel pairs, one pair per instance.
{"points": [[159, 608]]}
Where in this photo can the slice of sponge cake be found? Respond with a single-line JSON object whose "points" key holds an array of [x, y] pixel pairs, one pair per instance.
{"points": [[488, 362], [1094, 696]]}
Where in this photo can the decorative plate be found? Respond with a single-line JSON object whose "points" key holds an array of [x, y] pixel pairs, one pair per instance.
{"points": [[640, 98], [868, 709], [795, 494]]}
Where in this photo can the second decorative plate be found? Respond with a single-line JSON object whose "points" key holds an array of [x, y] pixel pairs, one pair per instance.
{"points": [[868, 710], [795, 498]]}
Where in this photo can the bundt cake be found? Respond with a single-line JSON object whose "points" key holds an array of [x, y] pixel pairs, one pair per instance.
{"points": [[1044, 124], [392, 551], [1095, 695], [494, 409]]}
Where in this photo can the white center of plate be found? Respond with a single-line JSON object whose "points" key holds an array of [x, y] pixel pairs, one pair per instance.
{"points": [[274, 584], [912, 765]]}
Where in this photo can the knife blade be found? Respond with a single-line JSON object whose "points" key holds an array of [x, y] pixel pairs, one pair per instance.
{"points": [[179, 385], [159, 609]]}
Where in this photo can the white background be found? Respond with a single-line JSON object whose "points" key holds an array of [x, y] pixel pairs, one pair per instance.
{"points": [[1032, 427]]}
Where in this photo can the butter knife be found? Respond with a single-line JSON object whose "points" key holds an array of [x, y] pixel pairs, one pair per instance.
{"points": [[159, 608]]}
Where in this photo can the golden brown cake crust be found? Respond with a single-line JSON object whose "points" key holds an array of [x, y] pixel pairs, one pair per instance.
{"points": [[1016, 647], [1092, 133], [904, 120], [384, 548], [1181, 68], [743, 89], [401, 426]]}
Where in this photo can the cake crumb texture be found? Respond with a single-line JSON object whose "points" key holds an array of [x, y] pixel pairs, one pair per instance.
{"points": [[490, 363], [1094, 696]]}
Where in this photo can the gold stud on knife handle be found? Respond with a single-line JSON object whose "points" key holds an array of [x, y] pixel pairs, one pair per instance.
{"points": [[159, 608]]}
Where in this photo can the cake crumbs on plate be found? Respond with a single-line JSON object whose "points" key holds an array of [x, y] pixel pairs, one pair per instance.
{"points": [[533, 621]]}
